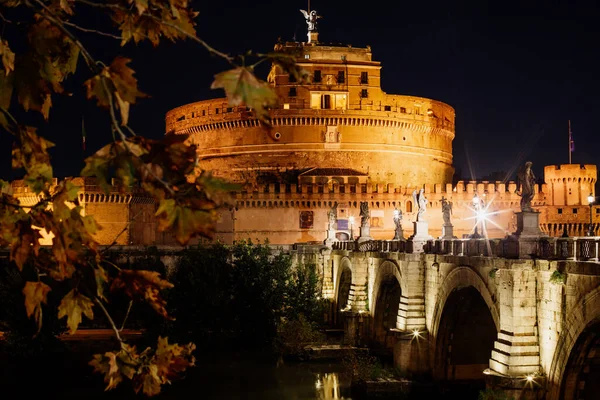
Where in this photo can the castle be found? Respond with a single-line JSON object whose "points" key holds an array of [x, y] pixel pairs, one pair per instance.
{"points": [[336, 141]]}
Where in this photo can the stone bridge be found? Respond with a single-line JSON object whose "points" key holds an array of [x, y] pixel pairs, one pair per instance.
{"points": [[473, 310]]}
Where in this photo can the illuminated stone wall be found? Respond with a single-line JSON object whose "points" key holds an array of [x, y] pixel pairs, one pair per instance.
{"points": [[330, 122], [538, 320]]}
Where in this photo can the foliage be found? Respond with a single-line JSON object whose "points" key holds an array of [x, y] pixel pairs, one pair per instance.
{"points": [[491, 394], [364, 367], [39, 51], [241, 292], [492, 273], [295, 334], [558, 278]]}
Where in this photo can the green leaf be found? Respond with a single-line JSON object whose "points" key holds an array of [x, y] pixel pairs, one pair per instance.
{"points": [[72, 306], [243, 88]]}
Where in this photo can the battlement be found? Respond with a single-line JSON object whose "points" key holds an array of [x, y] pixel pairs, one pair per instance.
{"points": [[462, 190], [570, 172]]}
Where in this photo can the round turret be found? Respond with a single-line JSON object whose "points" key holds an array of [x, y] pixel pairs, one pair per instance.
{"points": [[340, 119]]}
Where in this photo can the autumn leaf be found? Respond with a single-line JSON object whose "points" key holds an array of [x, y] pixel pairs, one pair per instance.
{"points": [[145, 285], [36, 294], [172, 359], [72, 306], [31, 154], [117, 79], [101, 278], [243, 88], [8, 57], [116, 366], [185, 221]]}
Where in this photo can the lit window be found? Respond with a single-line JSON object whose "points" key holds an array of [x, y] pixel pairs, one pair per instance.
{"points": [[306, 56], [286, 106]]}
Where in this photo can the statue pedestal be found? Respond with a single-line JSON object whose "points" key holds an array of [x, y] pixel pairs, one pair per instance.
{"points": [[447, 232], [330, 238], [365, 234], [398, 234], [528, 225], [420, 237], [528, 232]]}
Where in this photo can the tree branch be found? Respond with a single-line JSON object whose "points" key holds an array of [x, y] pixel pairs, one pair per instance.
{"points": [[126, 315], [110, 320], [91, 30], [50, 16], [208, 47]]}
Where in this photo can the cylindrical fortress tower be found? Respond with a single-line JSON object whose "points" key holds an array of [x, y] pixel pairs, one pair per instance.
{"points": [[571, 184], [340, 120]]}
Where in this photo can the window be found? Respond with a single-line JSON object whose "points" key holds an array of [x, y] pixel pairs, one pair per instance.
{"points": [[387, 108], [203, 113], [364, 78], [229, 109], [216, 110], [326, 102], [317, 76], [574, 211], [293, 92], [403, 110], [341, 77], [292, 78], [364, 93], [559, 210], [417, 111], [306, 56], [181, 118], [286, 106]]}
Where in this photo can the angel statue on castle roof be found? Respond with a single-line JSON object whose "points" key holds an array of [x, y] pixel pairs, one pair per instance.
{"points": [[311, 19]]}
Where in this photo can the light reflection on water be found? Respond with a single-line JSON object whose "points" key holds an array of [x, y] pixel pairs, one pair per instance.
{"points": [[328, 387]]}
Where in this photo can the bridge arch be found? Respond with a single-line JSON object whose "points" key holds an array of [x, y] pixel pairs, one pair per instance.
{"points": [[575, 369], [464, 327], [343, 284], [388, 287]]}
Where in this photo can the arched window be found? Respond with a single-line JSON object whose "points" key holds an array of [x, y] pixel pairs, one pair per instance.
{"points": [[409, 206]]}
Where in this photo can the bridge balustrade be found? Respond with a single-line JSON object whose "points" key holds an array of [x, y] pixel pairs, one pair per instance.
{"points": [[573, 248]]}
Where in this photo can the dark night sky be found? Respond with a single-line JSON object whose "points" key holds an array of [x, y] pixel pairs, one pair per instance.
{"points": [[515, 72]]}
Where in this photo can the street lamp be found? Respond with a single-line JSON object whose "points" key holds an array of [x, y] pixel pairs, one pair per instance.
{"points": [[591, 199], [351, 220], [477, 205]]}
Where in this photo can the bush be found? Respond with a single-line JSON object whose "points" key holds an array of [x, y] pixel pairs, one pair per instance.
{"points": [[294, 335], [364, 367]]}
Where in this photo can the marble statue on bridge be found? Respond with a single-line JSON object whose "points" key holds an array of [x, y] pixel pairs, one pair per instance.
{"points": [[525, 185], [421, 202]]}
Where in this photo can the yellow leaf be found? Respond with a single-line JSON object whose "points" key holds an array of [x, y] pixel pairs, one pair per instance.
{"points": [[123, 108], [72, 306], [36, 294], [8, 57]]}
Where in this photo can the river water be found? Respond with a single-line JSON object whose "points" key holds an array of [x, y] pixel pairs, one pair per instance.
{"points": [[219, 376]]}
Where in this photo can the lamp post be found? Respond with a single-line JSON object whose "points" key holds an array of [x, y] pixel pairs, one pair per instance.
{"points": [[351, 220], [591, 199]]}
